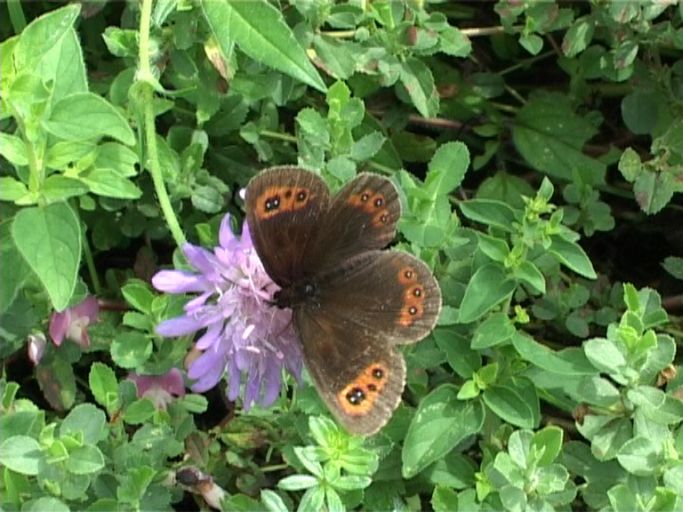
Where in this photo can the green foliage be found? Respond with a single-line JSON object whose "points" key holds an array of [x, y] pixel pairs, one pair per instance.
{"points": [[538, 152]]}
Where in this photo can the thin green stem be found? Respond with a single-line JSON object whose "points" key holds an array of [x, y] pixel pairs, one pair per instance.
{"points": [[278, 135], [145, 76]]}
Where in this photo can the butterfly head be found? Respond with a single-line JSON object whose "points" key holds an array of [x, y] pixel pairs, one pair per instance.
{"points": [[297, 294]]}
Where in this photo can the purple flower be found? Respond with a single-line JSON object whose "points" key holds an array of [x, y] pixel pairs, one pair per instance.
{"points": [[242, 332], [160, 389], [72, 323]]}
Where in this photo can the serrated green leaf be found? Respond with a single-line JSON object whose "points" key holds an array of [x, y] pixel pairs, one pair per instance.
{"points": [[260, 32], [49, 239], [87, 116]]}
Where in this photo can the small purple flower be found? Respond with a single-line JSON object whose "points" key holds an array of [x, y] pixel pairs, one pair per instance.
{"points": [[244, 333], [160, 389], [72, 323]]}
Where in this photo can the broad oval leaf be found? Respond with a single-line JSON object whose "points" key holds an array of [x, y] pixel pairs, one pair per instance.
{"points": [[440, 423], [21, 454], [488, 287], [49, 239]]}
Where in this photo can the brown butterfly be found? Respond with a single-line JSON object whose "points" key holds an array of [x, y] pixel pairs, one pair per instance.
{"points": [[352, 302]]}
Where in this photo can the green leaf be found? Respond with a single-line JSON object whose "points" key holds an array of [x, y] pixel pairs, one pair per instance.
{"points": [[117, 157], [338, 57], [13, 149], [417, 78], [49, 239], [86, 116], [440, 423], [487, 211], [21, 454], [103, 385], [605, 355], [45, 503], [85, 460], [550, 136], [447, 168], [64, 68], [62, 154], [572, 256], [630, 165], [515, 402], [367, 146], [565, 362], [139, 411], [496, 329], [42, 34], [11, 189], [87, 420], [579, 35], [138, 294], [453, 42], [58, 188], [130, 349], [14, 271], [488, 287], [530, 274], [639, 110], [272, 501], [548, 441], [639, 456], [260, 32], [444, 499], [297, 482], [654, 190], [109, 183]]}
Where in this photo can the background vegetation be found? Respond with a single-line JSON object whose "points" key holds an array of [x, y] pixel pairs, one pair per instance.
{"points": [[538, 146]]}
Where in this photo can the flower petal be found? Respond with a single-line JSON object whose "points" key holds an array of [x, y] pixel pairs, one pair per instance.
{"points": [[179, 326], [59, 324], [178, 281]]}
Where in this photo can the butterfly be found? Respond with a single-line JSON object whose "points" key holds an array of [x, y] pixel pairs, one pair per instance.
{"points": [[352, 302]]}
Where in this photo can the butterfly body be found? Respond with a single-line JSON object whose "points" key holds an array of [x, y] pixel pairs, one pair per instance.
{"points": [[352, 302]]}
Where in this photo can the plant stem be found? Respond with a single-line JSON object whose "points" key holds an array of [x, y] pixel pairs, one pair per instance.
{"points": [[146, 79], [16, 15]]}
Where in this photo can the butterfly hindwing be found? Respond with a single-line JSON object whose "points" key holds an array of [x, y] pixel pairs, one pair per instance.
{"points": [[391, 293], [284, 207], [362, 377]]}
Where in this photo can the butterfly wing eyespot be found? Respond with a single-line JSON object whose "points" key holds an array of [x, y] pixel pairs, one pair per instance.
{"points": [[359, 396]]}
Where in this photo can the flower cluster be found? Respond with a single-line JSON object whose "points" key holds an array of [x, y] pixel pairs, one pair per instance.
{"points": [[243, 333]]}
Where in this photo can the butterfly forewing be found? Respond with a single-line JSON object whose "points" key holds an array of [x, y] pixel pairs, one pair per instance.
{"points": [[285, 206], [387, 294], [362, 217], [362, 377]]}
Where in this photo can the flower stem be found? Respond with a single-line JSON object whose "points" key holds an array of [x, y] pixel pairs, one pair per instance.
{"points": [[145, 76]]}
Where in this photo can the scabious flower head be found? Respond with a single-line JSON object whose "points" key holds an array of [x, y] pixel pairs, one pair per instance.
{"points": [[243, 333], [72, 323], [160, 389]]}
